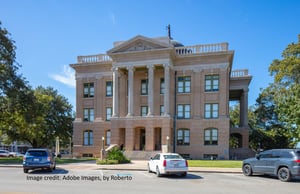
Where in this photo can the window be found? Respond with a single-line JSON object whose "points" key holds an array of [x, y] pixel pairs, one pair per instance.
{"points": [[183, 111], [108, 113], [108, 133], [184, 84], [162, 86], [144, 111], [88, 114], [211, 136], [88, 138], [162, 110], [183, 137], [211, 111], [109, 88], [210, 156], [144, 87], [211, 83], [88, 90]]}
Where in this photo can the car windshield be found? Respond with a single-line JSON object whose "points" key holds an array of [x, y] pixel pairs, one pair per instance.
{"points": [[172, 157], [36, 153]]}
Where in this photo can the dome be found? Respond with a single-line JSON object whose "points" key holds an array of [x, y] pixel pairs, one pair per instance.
{"points": [[176, 43]]}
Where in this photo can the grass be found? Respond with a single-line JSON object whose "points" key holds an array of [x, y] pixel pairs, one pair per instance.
{"points": [[19, 160], [216, 163]]}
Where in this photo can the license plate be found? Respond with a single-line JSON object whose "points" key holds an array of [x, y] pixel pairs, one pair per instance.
{"points": [[36, 160]]}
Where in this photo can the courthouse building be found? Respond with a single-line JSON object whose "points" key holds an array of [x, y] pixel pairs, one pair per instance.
{"points": [[149, 95]]}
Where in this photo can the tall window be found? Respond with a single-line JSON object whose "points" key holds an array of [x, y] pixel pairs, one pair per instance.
{"points": [[183, 111], [211, 83], [108, 134], [109, 89], [211, 136], [88, 138], [184, 84], [162, 110], [211, 111], [108, 113], [88, 114], [144, 111], [183, 137], [162, 86], [144, 87], [88, 90]]}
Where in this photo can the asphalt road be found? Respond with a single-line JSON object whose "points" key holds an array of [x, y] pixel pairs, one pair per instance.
{"points": [[14, 181]]}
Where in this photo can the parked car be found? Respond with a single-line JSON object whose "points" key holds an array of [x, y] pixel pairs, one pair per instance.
{"points": [[15, 154], [37, 158], [168, 163], [284, 163], [4, 153]]}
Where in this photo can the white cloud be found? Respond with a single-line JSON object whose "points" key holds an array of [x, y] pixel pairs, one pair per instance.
{"points": [[112, 18], [67, 77]]}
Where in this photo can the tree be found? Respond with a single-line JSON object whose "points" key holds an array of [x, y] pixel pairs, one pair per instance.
{"points": [[287, 82]]}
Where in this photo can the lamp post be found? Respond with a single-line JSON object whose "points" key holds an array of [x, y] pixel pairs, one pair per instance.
{"points": [[102, 148], [168, 143]]}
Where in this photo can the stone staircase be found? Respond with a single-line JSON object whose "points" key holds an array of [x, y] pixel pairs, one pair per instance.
{"points": [[140, 155]]}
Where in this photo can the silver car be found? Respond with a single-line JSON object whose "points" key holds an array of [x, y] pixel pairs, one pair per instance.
{"points": [[283, 163], [168, 163]]}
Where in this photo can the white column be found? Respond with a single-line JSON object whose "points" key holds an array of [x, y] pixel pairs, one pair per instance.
{"points": [[115, 92], [150, 89], [130, 90], [167, 90]]}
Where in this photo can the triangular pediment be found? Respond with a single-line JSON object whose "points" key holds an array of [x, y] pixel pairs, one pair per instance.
{"points": [[140, 43]]}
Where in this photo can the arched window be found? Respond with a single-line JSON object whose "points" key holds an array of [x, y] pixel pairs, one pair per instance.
{"points": [[211, 136], [88, 138]]}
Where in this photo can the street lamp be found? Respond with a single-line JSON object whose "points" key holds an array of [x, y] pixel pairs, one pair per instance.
{"points": [[102, 148], [168, 143]]}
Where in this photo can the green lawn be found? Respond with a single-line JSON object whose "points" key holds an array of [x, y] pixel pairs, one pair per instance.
{"points": [[216, 163], [19, 160]]}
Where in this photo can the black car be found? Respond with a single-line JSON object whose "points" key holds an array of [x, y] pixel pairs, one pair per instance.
{"points": [[38, 158], [284, 163]]}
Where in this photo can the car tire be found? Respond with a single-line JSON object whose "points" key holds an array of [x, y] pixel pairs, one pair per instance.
{"points": [[247, 170], [25, 170], [284, 174], [184, 174], [54, 167], [157, 172]]}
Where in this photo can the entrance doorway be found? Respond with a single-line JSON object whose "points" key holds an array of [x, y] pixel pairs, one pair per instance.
{"points": [[142, 139]]}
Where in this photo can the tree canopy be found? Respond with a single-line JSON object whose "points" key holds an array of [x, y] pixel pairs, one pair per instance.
{"points": [[35, 116]]}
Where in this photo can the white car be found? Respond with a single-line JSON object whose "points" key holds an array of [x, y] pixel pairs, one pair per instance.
{"points": [[168, 163]]}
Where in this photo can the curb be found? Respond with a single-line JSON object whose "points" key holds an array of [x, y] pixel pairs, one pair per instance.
{"points": [[204, 170]]}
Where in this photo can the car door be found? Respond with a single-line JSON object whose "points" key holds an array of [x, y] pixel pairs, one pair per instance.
{"points": [[154, 162], [260, 164]]}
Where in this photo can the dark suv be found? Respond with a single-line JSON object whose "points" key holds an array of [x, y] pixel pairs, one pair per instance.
{"points": [[284, 163], [37, 158]]}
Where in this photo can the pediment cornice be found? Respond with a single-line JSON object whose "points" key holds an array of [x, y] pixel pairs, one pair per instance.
{"points": [[139, 43]]}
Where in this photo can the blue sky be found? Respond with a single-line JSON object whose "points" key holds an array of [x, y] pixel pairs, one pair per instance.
{"points": [[49, 35]]}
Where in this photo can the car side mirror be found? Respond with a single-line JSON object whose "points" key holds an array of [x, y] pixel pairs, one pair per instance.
{"points": [[151, 158], [257, 156]]}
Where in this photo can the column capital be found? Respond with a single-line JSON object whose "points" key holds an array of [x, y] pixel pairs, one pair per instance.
{"points": [[166, 65], [130, 68], [115, 69], [150, 66]]}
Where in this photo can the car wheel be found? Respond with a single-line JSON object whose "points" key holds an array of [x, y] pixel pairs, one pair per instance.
{"points": [[184, 174], [25, 170], [54, 167], [247, 170], [157, 172], [284, 174]]}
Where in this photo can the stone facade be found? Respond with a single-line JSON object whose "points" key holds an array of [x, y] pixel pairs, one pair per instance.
{"points": [[147, 94]]}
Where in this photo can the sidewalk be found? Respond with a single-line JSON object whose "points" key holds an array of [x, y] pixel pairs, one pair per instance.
{"points": [[135, 165]]}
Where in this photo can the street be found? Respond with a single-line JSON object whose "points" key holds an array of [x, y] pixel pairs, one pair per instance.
{"points": [[13, 180]]}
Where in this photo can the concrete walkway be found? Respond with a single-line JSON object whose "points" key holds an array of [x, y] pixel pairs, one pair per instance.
{"points": [[136, 165]]}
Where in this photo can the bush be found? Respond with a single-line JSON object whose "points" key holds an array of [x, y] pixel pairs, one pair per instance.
{"points": [[117, 154]]}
